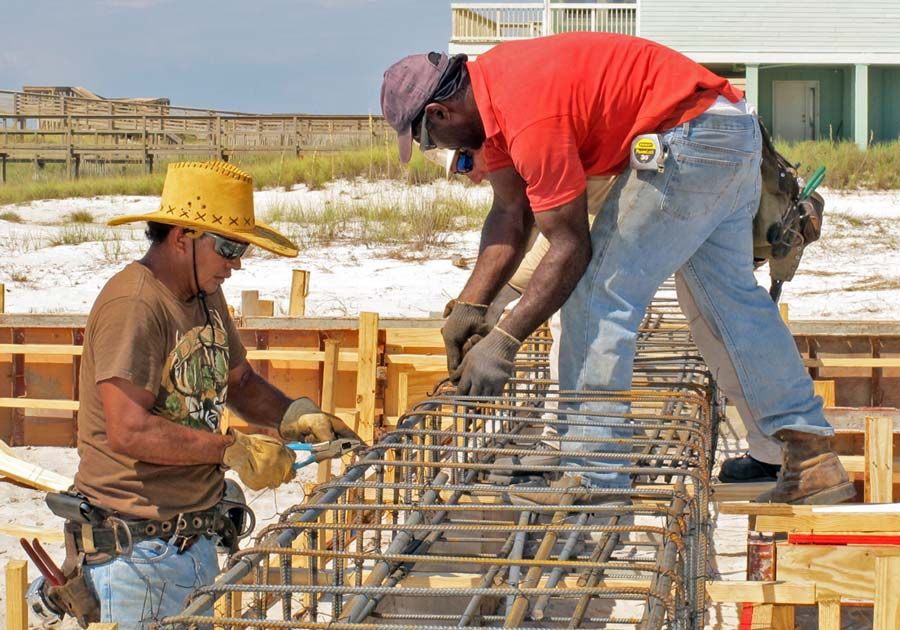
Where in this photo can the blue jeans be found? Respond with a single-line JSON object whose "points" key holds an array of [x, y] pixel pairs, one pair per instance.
{"points": [[153, 583], [695, 217]]}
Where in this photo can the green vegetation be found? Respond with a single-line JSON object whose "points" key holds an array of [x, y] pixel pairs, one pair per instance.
{"points": [[848, 168], [313, 170], [77, 234], [10, 216], [80, 216], [417, 220]]}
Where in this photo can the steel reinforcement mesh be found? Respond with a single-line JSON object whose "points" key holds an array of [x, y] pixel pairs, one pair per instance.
{"points": [[450, 522]]}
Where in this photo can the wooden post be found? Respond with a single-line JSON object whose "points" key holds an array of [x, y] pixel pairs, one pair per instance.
{"points": [[367, 375], [887, 595], [266, 308], [103, 626], [299, 291], [879, 460], [2, 298], [830, 612], [16, 585], [249, 303], [329, 386], [2, 168]]}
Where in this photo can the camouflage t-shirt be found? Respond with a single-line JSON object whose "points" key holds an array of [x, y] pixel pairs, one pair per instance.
{"points": [[139, 331]]}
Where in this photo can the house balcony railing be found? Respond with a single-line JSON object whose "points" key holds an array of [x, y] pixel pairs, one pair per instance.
{"points": [[493, 22]]}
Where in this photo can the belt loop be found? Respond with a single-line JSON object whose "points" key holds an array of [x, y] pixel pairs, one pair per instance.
{"points": [[686, 129]]}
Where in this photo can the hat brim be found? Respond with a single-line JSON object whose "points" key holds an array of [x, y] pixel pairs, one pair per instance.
{"points": [[262, 235]]}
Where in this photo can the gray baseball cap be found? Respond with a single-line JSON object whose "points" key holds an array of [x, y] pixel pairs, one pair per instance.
{"points": [[408, 86]]}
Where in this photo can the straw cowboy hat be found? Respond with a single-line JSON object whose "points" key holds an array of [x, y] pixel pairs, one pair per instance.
{"points": [[213, 197]]}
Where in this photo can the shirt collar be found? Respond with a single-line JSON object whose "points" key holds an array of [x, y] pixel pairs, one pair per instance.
{"points": [[483, 100]]}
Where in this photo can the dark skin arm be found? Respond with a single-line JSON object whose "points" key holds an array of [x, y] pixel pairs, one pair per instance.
{"points": [[503, 238], [566, 228], [134, 431]]}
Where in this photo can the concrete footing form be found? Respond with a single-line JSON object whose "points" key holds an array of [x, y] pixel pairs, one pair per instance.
{"points": [[426, 529]]}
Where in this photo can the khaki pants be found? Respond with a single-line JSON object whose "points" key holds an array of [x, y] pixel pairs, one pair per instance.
{"points": [[708, 341]]}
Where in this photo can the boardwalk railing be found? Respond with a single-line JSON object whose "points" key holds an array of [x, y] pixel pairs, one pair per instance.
{"points": [[494, 22], [75, 139]]}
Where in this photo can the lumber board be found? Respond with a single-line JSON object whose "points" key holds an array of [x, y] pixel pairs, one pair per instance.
{"points": [[857, 362], [31, 474], [830, 613], [420, 362], [41, 349], [299, 293], [887, 593], [879, 460], [845, 569], [774, 517], [366, 375], [800, 592], [39, 403], [25, 531], [740, 491]]}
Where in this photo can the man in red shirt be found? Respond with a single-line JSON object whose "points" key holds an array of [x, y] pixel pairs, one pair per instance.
{"points": [[548, 114]]}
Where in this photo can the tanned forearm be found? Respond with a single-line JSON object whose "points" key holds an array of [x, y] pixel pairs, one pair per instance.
{"points": [[557, 274], [254, 398], [502, 248], [161, 441]]}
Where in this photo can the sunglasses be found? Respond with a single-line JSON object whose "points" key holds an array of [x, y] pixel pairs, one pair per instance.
{"points": [[463, 162], [227, 248]]}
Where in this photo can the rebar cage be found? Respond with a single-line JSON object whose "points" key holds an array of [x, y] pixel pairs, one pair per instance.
{"points": [[453, 520]]}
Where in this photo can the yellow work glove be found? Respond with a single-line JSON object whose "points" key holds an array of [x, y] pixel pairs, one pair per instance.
{"points": [[259, 460], [305, 422]]}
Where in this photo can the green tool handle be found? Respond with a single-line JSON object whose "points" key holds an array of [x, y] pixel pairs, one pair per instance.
{"points": [[813, 183]]}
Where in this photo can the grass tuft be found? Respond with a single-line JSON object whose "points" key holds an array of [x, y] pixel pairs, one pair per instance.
{"points": [[80, 216], [847, 167], [11, 217], [77, 234]]}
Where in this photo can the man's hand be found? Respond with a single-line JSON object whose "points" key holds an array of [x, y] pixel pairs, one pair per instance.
{"points": [[463, 321], [488, 365], [305, 422], [260, 461]]}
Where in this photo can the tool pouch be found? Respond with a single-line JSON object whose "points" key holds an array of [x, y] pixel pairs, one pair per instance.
{"points": [[783, 226], [76, 597]]}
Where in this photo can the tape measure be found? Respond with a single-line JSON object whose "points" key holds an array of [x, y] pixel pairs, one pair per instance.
{"points": [[648, 153]]}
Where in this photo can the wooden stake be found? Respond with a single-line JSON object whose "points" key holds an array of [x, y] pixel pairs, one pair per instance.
{"points": [[879, 460], [299, 292], [249, 303], [367, 375], [16, 585], [329, 386], [265, 308], [103, 626], [887, 595], [2, 298]]}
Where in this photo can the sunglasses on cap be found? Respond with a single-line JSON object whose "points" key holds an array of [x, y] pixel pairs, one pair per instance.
{"points": [[224, 247]]}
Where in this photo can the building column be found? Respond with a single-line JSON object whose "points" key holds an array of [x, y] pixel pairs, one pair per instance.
{"points": [[861, 105], [752, 88]]}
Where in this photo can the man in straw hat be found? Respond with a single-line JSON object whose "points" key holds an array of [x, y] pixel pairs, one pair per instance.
{"points": [[162, 357], [548, 114]]}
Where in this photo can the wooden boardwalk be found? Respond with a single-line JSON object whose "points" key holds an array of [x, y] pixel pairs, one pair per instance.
{"points": [[41, 129]]}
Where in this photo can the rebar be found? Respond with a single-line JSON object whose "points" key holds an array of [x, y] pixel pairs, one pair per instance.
{"points": [[453, 519]]}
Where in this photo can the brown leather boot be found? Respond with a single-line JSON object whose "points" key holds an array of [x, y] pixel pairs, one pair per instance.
{"points": [[811, 472]]}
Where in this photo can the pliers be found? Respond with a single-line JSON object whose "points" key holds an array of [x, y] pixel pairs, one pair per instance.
{"points": [[324, 450]]}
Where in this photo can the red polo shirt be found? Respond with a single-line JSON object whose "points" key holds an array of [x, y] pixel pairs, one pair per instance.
{"points": [[564, 107]]}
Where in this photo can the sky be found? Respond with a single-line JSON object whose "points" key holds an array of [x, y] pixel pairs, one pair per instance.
{"points": [[256, 56]]}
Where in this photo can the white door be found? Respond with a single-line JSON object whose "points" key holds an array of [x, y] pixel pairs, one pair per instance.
{"points": [[796, 110]]}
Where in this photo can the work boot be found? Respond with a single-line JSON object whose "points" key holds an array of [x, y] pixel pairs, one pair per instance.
{"points": [[747, 469], [542, 455], [811, 472], [569, 490]]}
